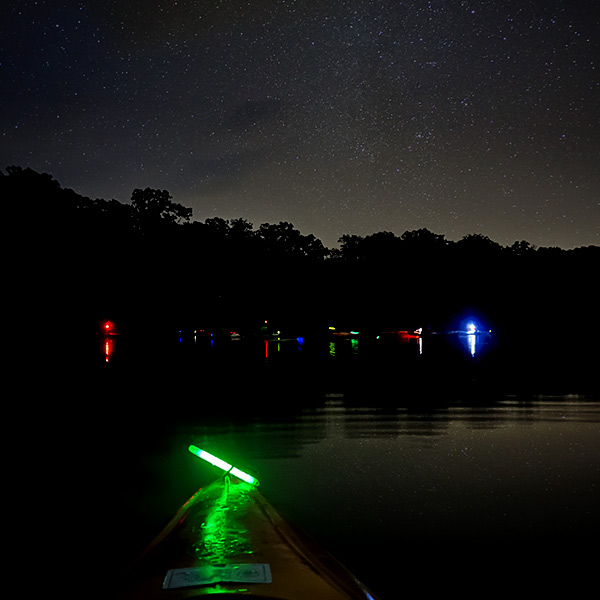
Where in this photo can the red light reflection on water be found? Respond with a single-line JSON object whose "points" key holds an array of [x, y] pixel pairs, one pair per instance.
{"points": [[108, 331], [108, 347]]}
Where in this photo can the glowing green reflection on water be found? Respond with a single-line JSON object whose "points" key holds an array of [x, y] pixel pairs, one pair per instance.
{"points": [[223, 534]]}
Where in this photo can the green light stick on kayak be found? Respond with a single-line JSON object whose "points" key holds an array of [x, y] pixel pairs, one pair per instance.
{"points": [[217, 462]]}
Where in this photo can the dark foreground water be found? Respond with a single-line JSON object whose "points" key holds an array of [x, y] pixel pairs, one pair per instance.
{"points": [[425, 478]]}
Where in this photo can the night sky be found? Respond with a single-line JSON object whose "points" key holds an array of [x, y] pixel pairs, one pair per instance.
{"points": [[341, 117]]}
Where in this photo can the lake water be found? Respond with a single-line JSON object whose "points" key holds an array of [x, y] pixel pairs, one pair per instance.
{"points": [[422, 476]]}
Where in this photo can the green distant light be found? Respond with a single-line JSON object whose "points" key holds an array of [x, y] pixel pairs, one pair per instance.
{"points": [[221, 464]]}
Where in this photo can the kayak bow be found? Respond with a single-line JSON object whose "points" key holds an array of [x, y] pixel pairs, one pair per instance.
{"points": [[228, 539]]}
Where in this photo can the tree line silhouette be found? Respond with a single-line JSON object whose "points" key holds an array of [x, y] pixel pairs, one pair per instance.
{"points": [[148, 265]]}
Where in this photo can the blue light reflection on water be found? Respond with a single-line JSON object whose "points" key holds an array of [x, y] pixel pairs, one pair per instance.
{"points": [[437, 479], [474, 341]]}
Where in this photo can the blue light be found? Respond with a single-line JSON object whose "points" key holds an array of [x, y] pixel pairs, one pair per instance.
{"points": [[472, 344]]}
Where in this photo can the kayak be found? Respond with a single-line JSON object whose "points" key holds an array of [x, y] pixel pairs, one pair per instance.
{"points": [[228, 539]]}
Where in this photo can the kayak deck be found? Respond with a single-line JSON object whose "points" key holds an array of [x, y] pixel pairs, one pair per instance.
{"points": [[227, 539]]}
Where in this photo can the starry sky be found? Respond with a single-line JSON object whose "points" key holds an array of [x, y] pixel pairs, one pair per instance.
{"points": [[339, 116]]}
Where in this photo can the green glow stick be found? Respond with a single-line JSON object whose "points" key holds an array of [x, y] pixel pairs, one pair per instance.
{"points": [[217, 462]]}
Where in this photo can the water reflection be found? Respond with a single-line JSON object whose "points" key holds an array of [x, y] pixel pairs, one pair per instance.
{"points": [[339, 345], [474, 341], [508, 436], [108, 331], [343, 347], [419, 360], [412, 341], [450, 478], [453, 486], [276, 344], [108, 345]]}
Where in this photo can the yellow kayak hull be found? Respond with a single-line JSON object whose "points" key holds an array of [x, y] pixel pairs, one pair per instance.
{"points": [[228, 539]]}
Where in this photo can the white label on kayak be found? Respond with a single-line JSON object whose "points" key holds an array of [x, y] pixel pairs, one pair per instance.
{"points": [[240, 573]]}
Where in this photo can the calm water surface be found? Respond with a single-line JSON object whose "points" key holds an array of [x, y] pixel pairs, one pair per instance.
{"points": [[502, 495], [473, 495]]}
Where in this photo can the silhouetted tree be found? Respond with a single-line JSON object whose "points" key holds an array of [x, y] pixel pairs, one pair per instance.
{"points": [[381, 247], [522, 248], [217, 228], [79, 256], [240, 230], [477, 244], [351, 248], [152, 207], [423, 239], [284, 239]]}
